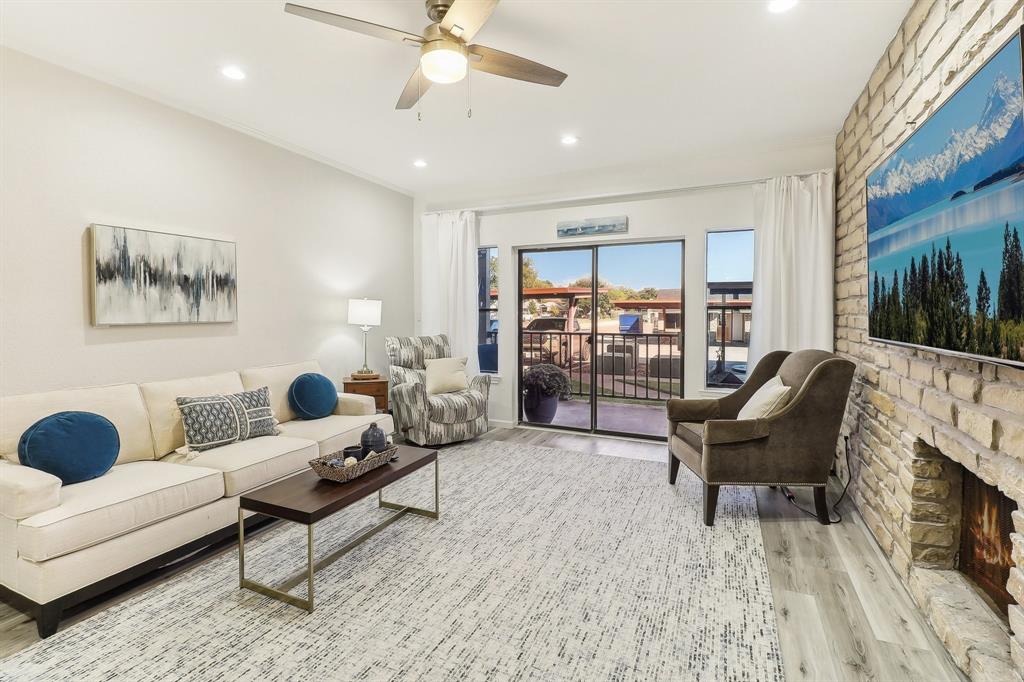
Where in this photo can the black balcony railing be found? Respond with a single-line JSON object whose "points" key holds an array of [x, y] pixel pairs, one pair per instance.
{"points": [[626, 366]]}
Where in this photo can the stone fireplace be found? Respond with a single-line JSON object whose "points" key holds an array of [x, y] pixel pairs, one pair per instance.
{"points": [[985, 545], [958, 534], [925, 426]]}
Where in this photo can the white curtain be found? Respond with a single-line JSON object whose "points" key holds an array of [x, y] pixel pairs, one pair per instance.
{"points": [[794, 264], [448, 293]]}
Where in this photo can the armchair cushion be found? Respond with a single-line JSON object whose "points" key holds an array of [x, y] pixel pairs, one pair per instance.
{"points": [[692, 410], [719, 431], [766, 401], [691, 433], [405, 375], [457, 407], [25, 491], [446, 375], [412, 351]]}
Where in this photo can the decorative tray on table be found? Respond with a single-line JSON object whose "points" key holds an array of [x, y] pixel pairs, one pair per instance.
{"points": [[331, 466]]}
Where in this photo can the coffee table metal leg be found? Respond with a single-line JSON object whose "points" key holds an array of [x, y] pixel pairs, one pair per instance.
{"points": [[309, 567], [434, 513], [241, 547], [279, 592]]}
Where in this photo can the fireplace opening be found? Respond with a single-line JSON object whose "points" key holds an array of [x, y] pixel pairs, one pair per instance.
{"points": [[985, 545]]}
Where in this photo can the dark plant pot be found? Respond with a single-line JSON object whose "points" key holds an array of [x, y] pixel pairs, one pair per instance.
{"points": [[539, 407]]}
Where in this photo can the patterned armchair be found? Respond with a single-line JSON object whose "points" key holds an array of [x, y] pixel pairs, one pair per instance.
{"points": [[432, 419]]}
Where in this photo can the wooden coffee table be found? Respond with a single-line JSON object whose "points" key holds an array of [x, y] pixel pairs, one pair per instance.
{"points": [[306, 498]]}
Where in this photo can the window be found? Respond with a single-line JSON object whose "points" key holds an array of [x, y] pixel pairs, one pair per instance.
{"points": [[487, 325], [730, 275]]}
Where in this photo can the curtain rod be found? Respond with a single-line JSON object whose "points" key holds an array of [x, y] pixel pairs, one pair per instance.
{"points": [[615, 198]]}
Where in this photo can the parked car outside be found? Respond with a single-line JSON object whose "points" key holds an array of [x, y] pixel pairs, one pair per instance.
{"points": [[552, 342]]}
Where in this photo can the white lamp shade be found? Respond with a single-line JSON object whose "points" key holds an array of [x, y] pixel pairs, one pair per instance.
{"points": [[364, 312]]}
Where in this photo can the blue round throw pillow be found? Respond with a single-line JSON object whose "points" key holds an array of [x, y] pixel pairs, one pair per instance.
{"points": [[312, 396], [73, 446]]}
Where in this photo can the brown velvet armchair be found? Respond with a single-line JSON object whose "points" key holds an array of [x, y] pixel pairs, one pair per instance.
{"points": [[793, 447]]}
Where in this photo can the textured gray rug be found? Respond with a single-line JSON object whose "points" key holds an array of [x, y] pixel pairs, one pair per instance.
{"points": [[545, 565]]}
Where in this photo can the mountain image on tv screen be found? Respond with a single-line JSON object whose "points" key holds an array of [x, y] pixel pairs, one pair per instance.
{"points": [[945, 220]]}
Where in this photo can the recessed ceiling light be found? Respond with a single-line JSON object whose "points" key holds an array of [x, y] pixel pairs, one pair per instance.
{"points": [[780, 6], [569, 140], [233, 72], [419, 163]]}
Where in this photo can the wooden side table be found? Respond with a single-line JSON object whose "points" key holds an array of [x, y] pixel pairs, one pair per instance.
{"points": [[376, 388]]}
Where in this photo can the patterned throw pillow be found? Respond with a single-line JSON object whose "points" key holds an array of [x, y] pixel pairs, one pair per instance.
{"points": [[215, 420]]}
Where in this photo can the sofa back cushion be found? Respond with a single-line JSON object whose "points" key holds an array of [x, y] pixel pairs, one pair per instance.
{"points": [[161, 402], [122, 404], [279, 378]]}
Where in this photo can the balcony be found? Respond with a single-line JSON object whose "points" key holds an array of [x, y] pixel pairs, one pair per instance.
{"points": [[635, 373]]}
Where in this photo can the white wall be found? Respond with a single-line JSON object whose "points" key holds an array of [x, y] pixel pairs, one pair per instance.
{"points": [[688, 215], [76, 151]]}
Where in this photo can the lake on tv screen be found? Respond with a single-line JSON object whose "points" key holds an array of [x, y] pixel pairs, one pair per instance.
{"points": [[973, 223]]}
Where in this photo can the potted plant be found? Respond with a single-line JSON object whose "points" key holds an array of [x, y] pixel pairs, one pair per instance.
{"points": [[543, 385]]}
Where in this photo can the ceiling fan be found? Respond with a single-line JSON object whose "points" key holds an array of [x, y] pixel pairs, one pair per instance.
{"points": [[444, 52]]}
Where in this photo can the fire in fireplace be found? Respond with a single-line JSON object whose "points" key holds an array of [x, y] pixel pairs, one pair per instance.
{"points": [[985, 545]]}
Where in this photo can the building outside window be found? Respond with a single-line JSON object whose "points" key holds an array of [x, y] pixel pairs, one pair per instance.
{"points": [[730, 274], [487, 320]]}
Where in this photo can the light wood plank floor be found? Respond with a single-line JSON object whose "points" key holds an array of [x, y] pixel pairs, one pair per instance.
{"points": [[842, 612]]}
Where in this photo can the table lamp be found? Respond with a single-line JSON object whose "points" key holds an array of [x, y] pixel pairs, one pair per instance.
{"points": [[365, 313]]}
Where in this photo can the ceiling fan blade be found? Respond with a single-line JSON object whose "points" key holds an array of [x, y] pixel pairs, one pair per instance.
{"points": [[414, 89], [510, 66], [466, 17], [364, 27]]}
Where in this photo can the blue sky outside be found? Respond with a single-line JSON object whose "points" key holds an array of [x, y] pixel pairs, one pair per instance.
{"points": [[730, 258]]}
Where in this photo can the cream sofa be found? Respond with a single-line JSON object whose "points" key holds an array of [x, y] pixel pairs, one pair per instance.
{"points": [[61, 545]]}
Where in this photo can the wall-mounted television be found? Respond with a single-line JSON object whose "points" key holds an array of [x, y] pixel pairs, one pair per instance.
{"points": [[945, 222]]}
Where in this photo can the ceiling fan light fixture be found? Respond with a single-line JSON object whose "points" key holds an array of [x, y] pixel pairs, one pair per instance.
{"points": [[443, 61]]}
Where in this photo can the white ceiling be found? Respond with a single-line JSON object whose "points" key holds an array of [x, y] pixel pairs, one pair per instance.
{"points": [[649, 81]]}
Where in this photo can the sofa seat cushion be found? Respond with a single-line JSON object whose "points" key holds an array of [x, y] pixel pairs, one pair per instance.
{"points": [[126, 498], [457, 407], [249, 464], [336, 432], [691, 433]]}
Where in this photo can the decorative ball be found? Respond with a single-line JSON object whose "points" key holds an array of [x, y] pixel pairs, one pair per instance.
{"points": [[351, 461]]}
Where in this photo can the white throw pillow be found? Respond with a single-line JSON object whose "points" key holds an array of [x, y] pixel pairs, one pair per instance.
{"points": [[446, 375], [766, 401]]}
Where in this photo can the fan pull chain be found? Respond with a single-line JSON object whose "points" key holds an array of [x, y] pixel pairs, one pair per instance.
{"points": [[469, 94], [419, 94]]}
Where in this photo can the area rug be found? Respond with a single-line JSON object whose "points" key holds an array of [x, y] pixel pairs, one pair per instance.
{"points": [[545, 565]]}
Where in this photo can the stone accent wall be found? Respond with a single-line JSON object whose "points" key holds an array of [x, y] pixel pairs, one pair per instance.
{"points": [[910, 410]]}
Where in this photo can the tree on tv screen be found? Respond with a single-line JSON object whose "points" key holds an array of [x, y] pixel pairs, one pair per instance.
{"points": [[929, 304]]}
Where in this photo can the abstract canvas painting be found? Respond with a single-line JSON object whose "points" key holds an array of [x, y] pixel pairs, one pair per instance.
{"points": [[945, 217], [144, 277]]}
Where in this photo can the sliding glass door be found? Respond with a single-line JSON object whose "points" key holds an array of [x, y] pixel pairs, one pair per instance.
{"points": [[600, 341]]}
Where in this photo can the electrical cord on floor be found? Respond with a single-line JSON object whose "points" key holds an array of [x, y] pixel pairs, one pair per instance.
{"points": [[835, 506]]}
